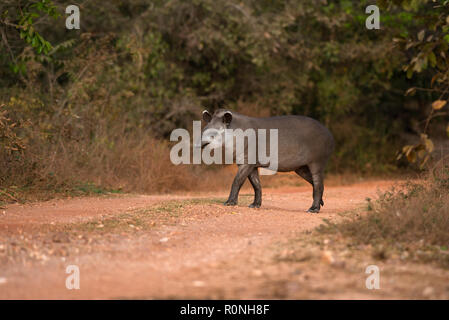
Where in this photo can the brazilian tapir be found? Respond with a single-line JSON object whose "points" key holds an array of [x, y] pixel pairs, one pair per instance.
{"points": [[304, 146]]}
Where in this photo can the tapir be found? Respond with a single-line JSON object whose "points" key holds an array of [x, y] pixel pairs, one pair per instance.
{"points": [[304, 146]]}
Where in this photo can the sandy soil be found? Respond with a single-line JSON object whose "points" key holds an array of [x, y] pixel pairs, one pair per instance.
{"points": [[191, 246]]}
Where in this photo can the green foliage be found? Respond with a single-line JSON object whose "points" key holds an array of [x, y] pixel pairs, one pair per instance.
{"points": [[26, 25], [22, 16], [427, 46]]}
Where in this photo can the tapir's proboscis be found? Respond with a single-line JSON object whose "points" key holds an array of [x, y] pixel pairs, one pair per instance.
{"points": [[304, 146]]}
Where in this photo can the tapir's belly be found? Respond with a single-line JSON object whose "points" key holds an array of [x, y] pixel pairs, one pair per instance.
{"points": [[297, 150], [291, 157]]}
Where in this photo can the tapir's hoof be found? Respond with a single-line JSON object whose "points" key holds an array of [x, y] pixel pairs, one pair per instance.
{"points": [[254, 205], [230, 203], [313, 210]]}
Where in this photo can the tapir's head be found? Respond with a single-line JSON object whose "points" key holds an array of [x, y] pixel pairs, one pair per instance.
{"points": [[214, 132]]}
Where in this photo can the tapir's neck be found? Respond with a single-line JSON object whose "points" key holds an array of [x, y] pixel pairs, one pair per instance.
{"points": [[240, 121]]}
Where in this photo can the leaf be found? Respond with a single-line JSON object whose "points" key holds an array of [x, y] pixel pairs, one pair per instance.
{"points": [[423, 163], [437, 105], [434, 78], [409, 45], [432, 59], [421, 153], [446, 37], [421, 35], [429, 145], [411, 91], [406, 149], [411, 156]]}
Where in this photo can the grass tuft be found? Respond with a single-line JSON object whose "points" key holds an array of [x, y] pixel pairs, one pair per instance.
{"points": [[414, 218]]}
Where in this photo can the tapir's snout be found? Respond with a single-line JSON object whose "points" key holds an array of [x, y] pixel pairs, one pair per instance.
{"points": [[204, 143], [209, 136]]}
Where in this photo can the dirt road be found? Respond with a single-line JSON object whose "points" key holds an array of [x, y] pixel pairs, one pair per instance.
{"points": [[191, 246]]}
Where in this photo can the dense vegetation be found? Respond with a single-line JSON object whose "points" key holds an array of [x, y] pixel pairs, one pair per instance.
{"points": [[97, 104]]}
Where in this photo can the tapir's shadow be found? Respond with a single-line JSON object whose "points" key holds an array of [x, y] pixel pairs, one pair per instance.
{"points": [[281, 209]]}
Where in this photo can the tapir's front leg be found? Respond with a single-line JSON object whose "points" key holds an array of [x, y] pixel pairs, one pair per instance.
{"points": [[242, 174]]}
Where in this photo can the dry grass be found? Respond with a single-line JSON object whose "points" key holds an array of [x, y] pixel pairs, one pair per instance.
{"points": [[115, 161], [413, 219]]}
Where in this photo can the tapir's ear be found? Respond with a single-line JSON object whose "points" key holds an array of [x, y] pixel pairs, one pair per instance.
{"points": [[206, 116], [227, 117]]}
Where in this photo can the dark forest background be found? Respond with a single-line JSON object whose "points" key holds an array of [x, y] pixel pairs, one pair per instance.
{"points": [[92, 109]]}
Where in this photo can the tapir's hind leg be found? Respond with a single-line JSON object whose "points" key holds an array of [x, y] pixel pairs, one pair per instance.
{"points": [[255, 182], [317, 172], [305, 173], [318, 189]]}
